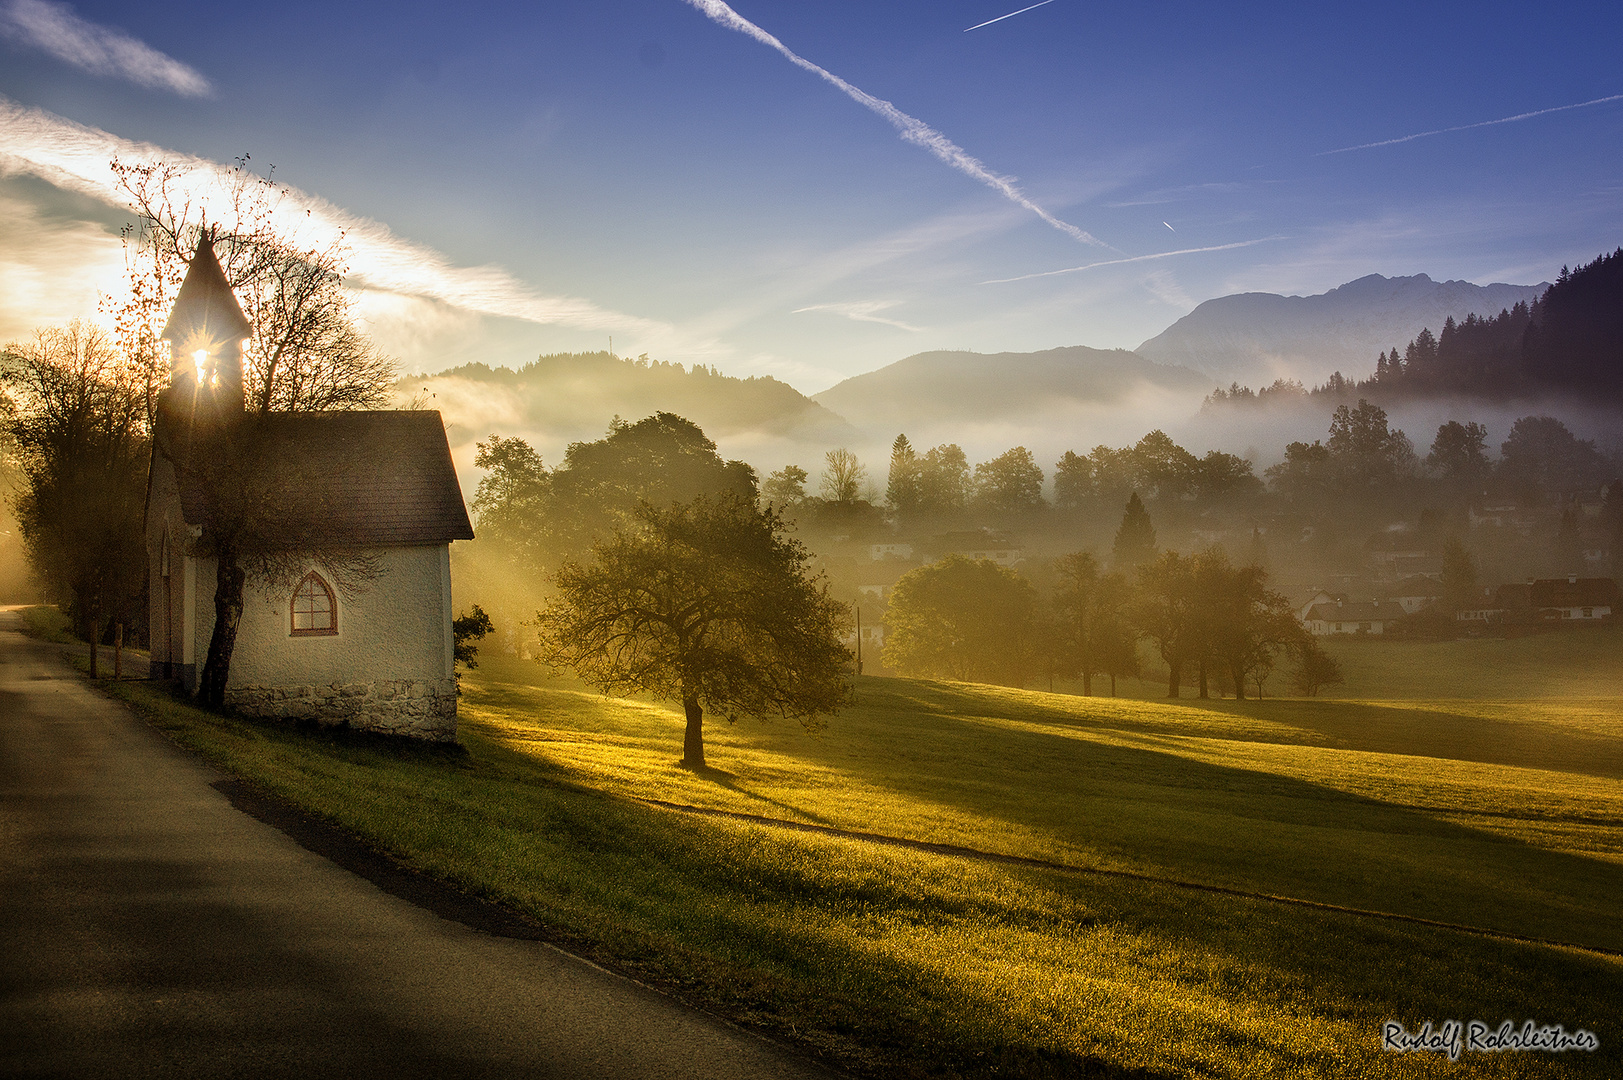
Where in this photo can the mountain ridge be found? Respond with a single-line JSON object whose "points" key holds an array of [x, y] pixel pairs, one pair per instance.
{"points": [[1258, 336]]}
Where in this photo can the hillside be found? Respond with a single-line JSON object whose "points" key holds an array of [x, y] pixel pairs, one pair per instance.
{"points": [[564, 397], [970, 388], [1257, 337]]}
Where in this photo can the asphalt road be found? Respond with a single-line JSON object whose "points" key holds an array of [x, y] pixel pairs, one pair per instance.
{"points": [[149, 928]]}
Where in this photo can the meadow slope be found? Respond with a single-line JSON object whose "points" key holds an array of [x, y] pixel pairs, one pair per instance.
{"points": [[1499, 813]]}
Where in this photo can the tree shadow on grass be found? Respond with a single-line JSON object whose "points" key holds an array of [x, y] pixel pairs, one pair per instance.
{"points": [[1350, 725], [1155, 811]]}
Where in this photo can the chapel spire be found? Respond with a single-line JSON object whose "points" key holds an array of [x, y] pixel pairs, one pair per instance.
{"points": [[206, 330]]}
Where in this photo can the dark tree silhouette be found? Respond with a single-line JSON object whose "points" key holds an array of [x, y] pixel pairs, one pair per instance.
{"points": [[708, 603], [1135, 538], [80, 432]]}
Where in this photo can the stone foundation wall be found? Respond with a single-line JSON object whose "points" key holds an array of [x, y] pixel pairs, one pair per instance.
{"points": [[418, 708]]}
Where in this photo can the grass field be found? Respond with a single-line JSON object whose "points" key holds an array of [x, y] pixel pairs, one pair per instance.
{"points": [[1483, 810]]}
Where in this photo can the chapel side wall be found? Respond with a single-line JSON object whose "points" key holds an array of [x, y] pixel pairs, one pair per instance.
{"points": [[388, 668]]}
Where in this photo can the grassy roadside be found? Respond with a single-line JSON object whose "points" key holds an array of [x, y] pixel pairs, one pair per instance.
{"points": [[900, 963]]}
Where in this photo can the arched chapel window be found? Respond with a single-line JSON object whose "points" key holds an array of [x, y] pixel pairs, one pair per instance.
{"points": [[314, 611]]}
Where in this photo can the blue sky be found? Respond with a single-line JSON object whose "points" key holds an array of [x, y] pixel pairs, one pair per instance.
{"points": [[695, 194]]}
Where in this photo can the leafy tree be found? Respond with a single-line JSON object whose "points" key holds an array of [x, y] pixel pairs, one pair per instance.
{"points": [[510, 502], [1315, 669], [1135, 538], [1223, 476], [1306, 475], [1241, 624], [962, 619], [1458, 455], [1073, 480], [1165, 612], [1078, 603], [78, 422], [842, 476], [1094, 631], [660, 459], [902, 486], [1542, 459], [1164, 466], [1365, 453], [1115, 641], [786, 488], [708, 603], [465, 630], [1010, 483], [943, 479], [1115, 473]]}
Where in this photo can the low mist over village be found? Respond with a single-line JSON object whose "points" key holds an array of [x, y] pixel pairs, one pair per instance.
{"points": [[672, 539]]}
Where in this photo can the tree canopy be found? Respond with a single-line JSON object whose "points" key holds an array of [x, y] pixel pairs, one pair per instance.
{"points": [[962, 619], [706, 602]]}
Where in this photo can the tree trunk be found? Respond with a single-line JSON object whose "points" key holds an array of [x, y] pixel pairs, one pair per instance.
{"points": [[1174, 677], [228, 582], [1239, 683], [1087, 683], [693, 741], [1112, 684], [1203, 679]]}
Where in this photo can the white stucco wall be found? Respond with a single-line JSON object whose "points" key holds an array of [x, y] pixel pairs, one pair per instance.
{"points": [[399, 628]]}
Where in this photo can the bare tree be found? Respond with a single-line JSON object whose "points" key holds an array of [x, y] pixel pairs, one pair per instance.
{"points": [[305, 353], [843, 476]]}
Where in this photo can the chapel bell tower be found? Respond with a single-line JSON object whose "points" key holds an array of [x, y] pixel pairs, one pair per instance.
{"points": [[206, 331]]}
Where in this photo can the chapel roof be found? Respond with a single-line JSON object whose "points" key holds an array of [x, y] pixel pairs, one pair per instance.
{"points": [[380, 478], [206, 307]]}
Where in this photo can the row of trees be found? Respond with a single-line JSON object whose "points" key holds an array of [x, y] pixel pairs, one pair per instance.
{"points": [[1363, 457], [1541, 460], [1206, 618]]}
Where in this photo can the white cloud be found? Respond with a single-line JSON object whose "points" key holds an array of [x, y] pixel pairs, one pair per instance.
{"points": [[51, 271], [100, 50], [76, 158]]}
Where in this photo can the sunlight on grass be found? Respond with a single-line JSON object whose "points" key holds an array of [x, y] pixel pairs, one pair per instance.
{"points": [[898, 962]]}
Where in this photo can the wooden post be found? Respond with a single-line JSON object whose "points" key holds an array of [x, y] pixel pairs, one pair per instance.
{"points": [[118, 651]]}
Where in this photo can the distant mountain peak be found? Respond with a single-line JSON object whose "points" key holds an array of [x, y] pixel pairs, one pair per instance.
{"points": [[1258, 337]]}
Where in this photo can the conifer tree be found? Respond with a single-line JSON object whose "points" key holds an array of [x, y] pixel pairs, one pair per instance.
{"points": [[1135, 539]]}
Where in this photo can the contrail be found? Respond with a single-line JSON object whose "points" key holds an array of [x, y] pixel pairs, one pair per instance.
{"points": [[1469, 127], [1134, 259], [912, 129], [1010, 15], [75, 157]]}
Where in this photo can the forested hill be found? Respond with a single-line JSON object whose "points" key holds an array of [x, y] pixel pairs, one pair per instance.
{"points": [[575, 395], [1259, 337], [971, 387], [1568, 342]]}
